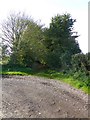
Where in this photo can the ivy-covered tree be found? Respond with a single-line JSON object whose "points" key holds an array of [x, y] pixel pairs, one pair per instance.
{"points": [[31, 46]]}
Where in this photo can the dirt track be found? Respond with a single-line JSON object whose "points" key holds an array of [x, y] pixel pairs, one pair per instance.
{"points": [[35, 97]]}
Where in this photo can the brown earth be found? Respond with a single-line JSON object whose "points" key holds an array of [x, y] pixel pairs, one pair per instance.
{"points": [[37, 97]]}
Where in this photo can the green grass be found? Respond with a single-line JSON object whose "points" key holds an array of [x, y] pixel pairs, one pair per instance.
{"points": [[67, 79], [14, 73], [14, 70], [79, 84]]}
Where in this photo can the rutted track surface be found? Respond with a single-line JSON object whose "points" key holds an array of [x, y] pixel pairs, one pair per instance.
{"points": [[36, 97]]}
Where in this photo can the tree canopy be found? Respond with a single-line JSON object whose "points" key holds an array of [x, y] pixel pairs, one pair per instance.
{"points": [[60, 40], [29, 42]]}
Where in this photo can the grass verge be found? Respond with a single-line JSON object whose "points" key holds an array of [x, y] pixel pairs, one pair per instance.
{"points": [[51, 74]]}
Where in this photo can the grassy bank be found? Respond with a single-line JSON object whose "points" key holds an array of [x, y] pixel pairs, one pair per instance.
{"points": [[64, 77]]}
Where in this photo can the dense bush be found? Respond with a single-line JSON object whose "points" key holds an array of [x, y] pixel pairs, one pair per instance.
{"points": [[81, 62], [81, 67]]}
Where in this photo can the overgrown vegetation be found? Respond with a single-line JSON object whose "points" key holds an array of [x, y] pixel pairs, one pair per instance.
{"points": [[31, 49]]}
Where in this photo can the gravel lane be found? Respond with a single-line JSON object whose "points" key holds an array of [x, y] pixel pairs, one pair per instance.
{"points": [[37, 97]]}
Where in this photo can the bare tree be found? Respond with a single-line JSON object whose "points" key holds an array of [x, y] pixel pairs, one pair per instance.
{"points": [[13, 28]]}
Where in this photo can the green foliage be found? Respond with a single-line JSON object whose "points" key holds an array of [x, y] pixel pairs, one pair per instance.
{"points": [[27, 46], [51, 74], [60, 41], [32, 45], [15, 70], [53, 60], [81, 62], [81, 68], [29, 42]]}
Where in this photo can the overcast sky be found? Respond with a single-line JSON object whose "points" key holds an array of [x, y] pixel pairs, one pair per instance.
{"points": [[44, 10]]}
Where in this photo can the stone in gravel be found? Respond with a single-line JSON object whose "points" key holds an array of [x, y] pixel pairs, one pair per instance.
{"points": [[39, 113], [59, 110], [53, 103], [73, 104]]}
